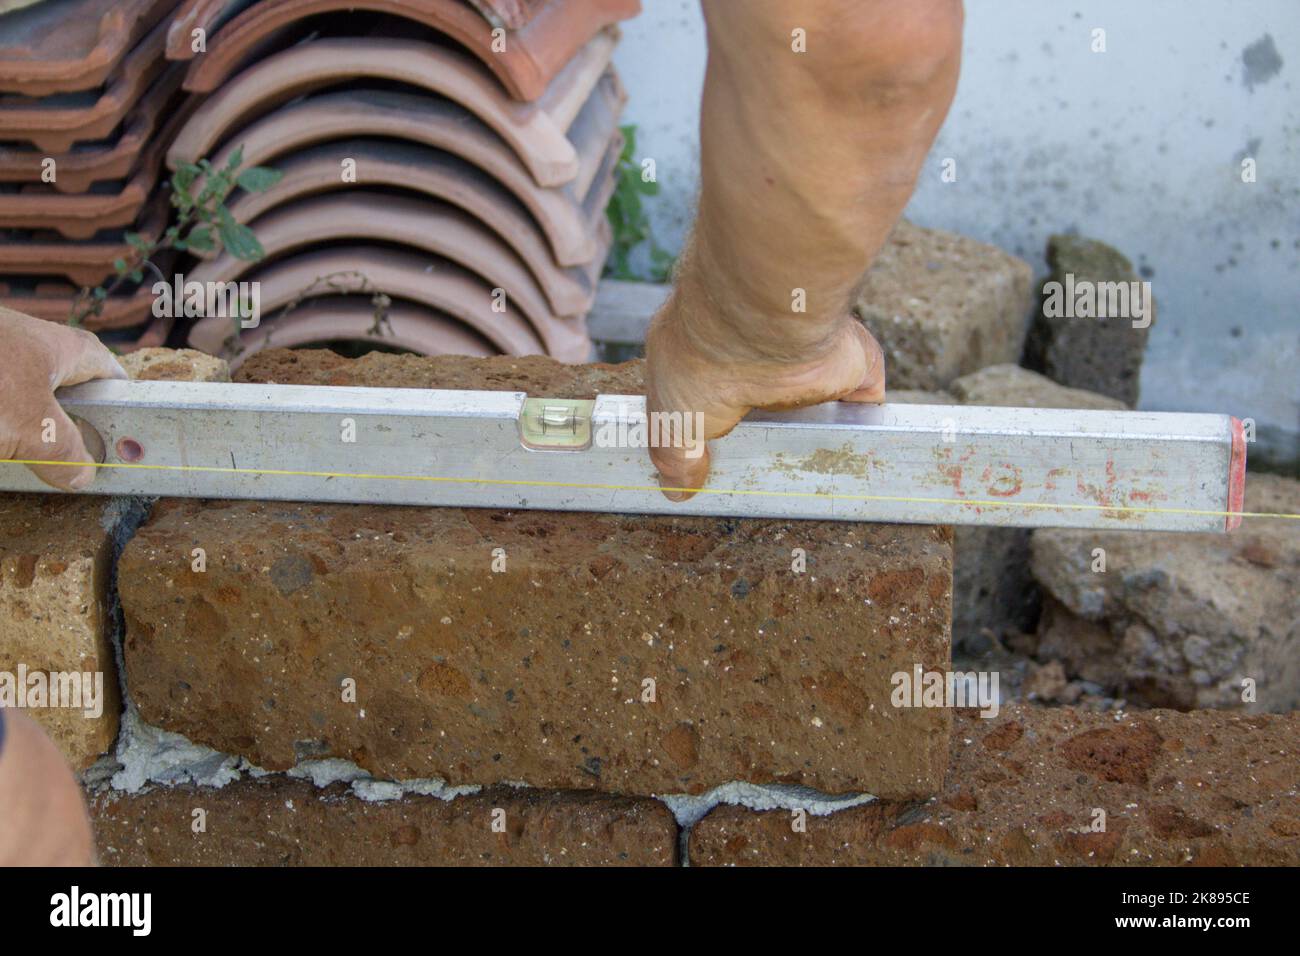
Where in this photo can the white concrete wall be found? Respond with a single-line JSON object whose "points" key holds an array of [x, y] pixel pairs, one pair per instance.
{"points": [[1140, 146]]}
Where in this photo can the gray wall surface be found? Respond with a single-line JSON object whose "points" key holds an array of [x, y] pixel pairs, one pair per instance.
{"points": [[1140, 146]]}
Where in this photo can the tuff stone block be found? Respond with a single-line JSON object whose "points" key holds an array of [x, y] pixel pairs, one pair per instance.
{"points": [[282, 822], [55, 618], [1059, 787], [56, 555], [631, 654]]}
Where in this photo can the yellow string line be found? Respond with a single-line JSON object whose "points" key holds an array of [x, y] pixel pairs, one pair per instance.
{"points": [[532, 483]]}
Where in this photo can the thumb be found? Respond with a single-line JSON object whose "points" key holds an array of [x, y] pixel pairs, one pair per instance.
{"points": [[872, 387], [66, 446], [679, 448], [682, 471]]}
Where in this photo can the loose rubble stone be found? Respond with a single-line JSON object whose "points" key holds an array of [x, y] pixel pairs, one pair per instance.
{"points": [[942, 305], [992, 585], [1043, 786], [916, 396], [1011, 386], [630, 654], [278, 821], [1181, 620], [1098, 354]]}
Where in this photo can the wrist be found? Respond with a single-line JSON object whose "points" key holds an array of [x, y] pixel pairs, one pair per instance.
{"points": [[718, 318]]}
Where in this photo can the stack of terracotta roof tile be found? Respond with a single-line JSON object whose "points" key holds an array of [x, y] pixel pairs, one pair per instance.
{"points": [[88, 103], [453, 157]]}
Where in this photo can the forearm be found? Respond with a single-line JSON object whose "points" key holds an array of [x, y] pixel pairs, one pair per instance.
{"points": [[808, 158]]}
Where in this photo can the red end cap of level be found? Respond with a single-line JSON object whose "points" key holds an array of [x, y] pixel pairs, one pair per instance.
{"points": [[1237, 476]]}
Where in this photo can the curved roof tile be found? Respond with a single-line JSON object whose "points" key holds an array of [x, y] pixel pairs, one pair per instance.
{"points": [[423, 224], [55, 301], [54, 128], [535, 133], [525, 61], [434, 173], [84, 263], [117, 160], [205, 15], [352, 319], [65, 46], [434, 283], [568, 225], [81, 216]]}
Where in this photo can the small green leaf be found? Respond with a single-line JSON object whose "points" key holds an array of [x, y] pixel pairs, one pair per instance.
{"points": [[239, 240], [632, 201], [119, 266], [185, 176], [628, 220], [200, 239], [257, 179], [236, 158]]}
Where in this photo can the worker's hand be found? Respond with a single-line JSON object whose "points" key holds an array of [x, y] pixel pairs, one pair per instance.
{"points": [[43, 821], [693, 367], [36, 357]]}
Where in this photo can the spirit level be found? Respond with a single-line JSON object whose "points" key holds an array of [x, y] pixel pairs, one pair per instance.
{"points": [[1024, 467]]}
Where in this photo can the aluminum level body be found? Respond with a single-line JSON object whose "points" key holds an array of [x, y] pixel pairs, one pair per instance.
{"points": [[848, 462]]}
